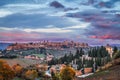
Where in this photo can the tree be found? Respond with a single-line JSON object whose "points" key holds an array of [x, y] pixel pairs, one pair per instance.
{"points": [[90, 53], [31, 74], [67, 73], [65, 58], [81, 52], [115, 49], [98, 52], [70, 57], [117, 55], [89, 63], [77, 54], [18, 69], [6, 72], [98, 62], [93, 53], [79, 63], [55, 76]]}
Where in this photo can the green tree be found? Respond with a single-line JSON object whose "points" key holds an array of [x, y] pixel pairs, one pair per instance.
{"points": [[115, 49], [89, 63], [79, 63], [70, 57], [77, 54], [55, 76], [117, 55], [81, 52]]}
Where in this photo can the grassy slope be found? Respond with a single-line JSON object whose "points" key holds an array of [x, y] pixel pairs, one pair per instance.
{"points": [[112, 73], [109, 73], [21, 61]]}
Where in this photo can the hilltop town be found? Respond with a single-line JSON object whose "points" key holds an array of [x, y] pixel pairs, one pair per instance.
{"points": [[47, 45]]}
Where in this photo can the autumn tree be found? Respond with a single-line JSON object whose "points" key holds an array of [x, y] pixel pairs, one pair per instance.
{"points": [[18, 69], [55, 76], [67, 73], [6, 72], [31, 74]]}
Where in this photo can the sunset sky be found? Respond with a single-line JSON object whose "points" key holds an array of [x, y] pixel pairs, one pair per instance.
{"points": [[91, 21]]}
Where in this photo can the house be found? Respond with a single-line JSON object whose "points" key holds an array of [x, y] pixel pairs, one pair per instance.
{"points": [[109, 49], [49, 57], [86, 71], [32, 57]]}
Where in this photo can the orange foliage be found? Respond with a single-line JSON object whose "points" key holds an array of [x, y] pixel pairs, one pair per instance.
{"points": [[1, 77], [6, 72], [67, 73], [17, 68], [31, 74]]}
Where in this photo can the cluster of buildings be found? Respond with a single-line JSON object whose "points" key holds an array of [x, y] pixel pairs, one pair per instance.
{"points": [[47, 45], [47, 57], [34, 57], [57, 68], [109, 49]]}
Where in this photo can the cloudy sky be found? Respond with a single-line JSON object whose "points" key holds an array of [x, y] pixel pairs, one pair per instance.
{"points": [[92, 21]]}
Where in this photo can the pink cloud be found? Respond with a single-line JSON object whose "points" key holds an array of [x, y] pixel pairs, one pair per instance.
{"points": [[106, 36], [17, 35], [94, 37]]}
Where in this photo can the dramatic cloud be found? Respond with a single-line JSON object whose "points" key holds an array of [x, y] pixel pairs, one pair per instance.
{"points": [[35, 20], [93, 21], [106, 36], [56, 4], [103, 25]]}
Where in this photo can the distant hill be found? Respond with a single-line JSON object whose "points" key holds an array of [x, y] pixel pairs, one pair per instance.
{"points": [[4, 45]]}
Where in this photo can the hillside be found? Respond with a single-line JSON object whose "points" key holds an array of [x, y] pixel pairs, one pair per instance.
{"points": [[22, 62], [112, 73], [108, 72]]}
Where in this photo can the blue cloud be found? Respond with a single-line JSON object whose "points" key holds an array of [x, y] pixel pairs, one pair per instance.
{"points": [[102, 23], [34, 20]]}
